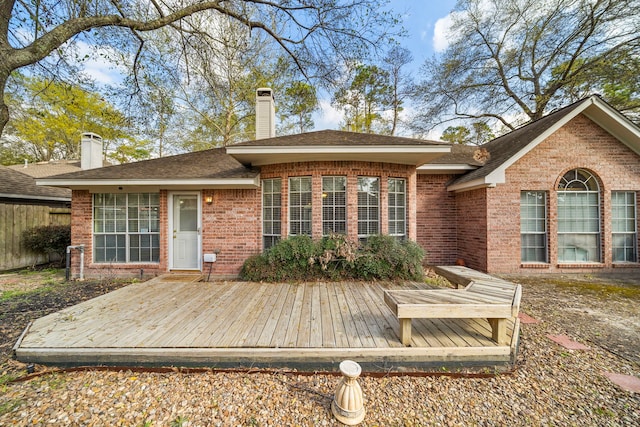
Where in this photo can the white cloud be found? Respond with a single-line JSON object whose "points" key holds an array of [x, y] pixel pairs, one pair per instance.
{"points": [[328, 117], [95, 65], [442, 33]]}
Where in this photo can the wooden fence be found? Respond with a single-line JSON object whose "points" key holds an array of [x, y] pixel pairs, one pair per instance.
{"points": [[14, 219]]}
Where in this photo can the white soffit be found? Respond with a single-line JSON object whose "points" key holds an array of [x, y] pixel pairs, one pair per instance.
{"points": [[436, 169], [400, 154]]}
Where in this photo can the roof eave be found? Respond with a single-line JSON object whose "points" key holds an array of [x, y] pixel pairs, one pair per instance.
{"points": [[153, 184], [601, 113], [614, 122], [471, 185], [400, 154], [30, 197]]}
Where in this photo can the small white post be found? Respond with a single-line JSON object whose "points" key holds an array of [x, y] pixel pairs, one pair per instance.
{"points": [[348, 404]]}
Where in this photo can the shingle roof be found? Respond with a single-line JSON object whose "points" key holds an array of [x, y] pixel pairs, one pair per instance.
{"points": [[503, 148], [207, 164], [16, 184], [460, 155], [335, 138], [44, 169]]}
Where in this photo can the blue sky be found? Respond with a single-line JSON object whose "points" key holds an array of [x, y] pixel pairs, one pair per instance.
{"points": [[423, 21], [419, 19]]}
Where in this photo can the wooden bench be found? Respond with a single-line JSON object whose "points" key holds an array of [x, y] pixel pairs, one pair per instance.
{"points": [[482, 297]]}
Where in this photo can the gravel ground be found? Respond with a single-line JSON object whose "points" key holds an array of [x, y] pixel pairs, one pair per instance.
{"points": [[549, 386]]}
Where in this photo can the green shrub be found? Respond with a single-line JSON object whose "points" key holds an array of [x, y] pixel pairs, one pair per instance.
{"points": [[48, 240], [335, 257]]}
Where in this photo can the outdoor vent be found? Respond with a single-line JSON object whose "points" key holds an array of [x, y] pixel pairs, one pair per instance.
{"points": [[265, 114]]}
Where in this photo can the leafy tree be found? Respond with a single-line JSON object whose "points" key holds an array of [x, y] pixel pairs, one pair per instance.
{"points": [[52, 116], [364, 99], [615, 78], [297, 106], [456, 134], [314, 34], [401, 83], [226, 68], [500, 62], [479, 133]]}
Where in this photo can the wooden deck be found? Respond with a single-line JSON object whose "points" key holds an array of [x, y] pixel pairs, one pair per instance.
{"points": [[230, 324]]}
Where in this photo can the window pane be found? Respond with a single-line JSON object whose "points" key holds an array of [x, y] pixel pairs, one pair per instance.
{"points": [[397, 207], [117, 220], [579, 217], [623, 221], [271, 210], [334, 204], [533, 226], [300, 205], [368, 206]]}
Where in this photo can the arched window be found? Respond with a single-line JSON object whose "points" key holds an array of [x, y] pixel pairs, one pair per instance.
{"points": [[578, 217]]}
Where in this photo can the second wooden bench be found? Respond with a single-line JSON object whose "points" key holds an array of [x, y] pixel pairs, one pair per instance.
{"points": [[495, 300]]}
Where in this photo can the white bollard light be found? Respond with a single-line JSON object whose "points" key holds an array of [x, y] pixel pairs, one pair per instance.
{"points": [[348, 404]]}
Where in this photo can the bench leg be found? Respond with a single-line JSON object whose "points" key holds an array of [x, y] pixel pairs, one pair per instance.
{"points": [[499, 330], [405, 332]]}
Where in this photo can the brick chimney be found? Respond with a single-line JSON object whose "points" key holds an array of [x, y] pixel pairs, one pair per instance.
{"points": [[265, 113]]}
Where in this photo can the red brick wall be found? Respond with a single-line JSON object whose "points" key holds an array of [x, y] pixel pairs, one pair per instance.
{"points": [[435, 223], [579, 144], [232, 226], [471, 220]]}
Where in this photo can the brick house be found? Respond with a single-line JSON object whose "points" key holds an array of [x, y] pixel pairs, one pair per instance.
{"points": [[559, 194]]}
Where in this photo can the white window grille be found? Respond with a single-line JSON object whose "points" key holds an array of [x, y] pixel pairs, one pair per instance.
{"points": [[533, 226], [334, 205]]}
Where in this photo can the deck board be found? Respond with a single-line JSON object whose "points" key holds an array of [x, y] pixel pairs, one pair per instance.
{"points": [[158, 321]]}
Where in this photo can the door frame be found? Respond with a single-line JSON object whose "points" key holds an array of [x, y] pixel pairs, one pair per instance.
{"points": [[170, 201]]}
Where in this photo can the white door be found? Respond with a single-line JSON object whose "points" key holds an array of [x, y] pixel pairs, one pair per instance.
{"points": [[186, 231]]}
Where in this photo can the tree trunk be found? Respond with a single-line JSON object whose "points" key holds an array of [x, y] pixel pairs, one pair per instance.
{"points": [[4, 108]]}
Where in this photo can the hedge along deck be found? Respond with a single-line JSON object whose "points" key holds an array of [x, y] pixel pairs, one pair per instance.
{"points": [[483, 297], [231, 324]]}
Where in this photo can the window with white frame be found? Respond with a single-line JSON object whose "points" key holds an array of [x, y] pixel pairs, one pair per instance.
{"points": [[533, 226], [126, 227], [271, 210], [334, 205], [624, 226], [397, 201], [300, 205], [368, 206], [578, 218]]}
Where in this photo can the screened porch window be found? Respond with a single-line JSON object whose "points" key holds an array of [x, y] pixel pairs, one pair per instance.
{"points": [[368, 206], [397, 201], [578, 218], [624, 226], [126, 227], [271, 210], [334, 205], [300, 206], [533, 226]]}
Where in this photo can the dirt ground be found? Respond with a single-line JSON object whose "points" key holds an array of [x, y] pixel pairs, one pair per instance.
{"points": [[599, 310]]}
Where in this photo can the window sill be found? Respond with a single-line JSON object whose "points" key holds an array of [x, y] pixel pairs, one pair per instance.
{"points": [[125, 264], [625, 265], [581, 265], [536, 265]]}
